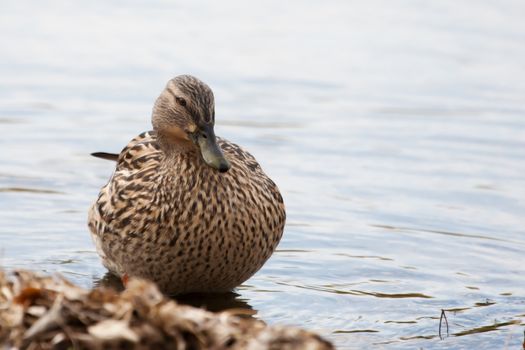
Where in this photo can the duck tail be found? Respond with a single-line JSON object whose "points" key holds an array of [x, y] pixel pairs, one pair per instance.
{"points": [[104, 155]]}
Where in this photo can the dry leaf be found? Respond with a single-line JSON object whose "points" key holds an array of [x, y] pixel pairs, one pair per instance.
{"points": [[113, 330]]}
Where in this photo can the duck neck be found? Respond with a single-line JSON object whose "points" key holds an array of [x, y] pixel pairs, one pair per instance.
{"points": [[173, 147]]}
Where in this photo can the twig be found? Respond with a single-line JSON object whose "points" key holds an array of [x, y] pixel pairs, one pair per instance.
{"points": [[441, 318]]}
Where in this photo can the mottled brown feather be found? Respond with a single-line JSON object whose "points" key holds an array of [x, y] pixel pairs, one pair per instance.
{"points": [[172, 219]]}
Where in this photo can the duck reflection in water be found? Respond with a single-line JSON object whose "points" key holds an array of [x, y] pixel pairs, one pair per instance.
{"points": [[215, 302]]}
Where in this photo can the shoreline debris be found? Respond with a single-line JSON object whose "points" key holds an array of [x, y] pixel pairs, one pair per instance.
{"points": [[49, 312]]}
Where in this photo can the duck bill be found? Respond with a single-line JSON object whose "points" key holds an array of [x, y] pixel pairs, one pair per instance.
{"points": [[210, 150]]}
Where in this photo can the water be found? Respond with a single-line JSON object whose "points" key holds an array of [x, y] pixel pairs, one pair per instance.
{"points": [[396, 133]]}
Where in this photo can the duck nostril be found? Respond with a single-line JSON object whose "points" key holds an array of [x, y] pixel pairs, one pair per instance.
{"points": [[204, 136]]}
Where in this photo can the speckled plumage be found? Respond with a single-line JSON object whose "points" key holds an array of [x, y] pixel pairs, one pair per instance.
{"points": [[168, 216]]}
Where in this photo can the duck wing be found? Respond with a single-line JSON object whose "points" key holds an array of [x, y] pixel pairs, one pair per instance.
{"points": [[143, 145], [131, 186], [141, 152]]}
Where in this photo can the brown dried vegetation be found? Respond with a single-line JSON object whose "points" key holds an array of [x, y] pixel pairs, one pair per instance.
{"points": [[51, 313]]}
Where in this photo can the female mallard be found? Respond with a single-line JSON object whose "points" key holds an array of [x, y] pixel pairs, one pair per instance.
{"points": [[187, 210]]}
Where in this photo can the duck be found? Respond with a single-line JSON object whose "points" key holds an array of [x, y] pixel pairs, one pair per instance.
{"points": [[184, 208]]}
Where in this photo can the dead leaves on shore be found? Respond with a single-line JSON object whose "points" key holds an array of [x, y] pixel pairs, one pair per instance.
{"points": [[51, 313]]}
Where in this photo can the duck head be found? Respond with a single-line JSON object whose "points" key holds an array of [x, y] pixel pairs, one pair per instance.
{"points": [[184, 116]]}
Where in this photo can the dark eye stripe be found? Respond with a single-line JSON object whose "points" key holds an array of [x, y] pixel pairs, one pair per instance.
{"points": [[202, 101], [180, 101]]}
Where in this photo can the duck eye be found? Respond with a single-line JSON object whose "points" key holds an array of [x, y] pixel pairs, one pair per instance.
{"points": [[180, 101]]}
